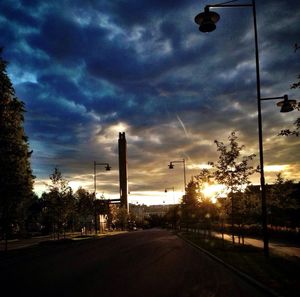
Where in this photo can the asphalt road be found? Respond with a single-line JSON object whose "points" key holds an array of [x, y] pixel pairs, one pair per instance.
{"points": [[152, 263]]}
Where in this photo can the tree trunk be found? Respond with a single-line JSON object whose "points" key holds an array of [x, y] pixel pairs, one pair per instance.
{"points": [[232, 220], [6, 242]]}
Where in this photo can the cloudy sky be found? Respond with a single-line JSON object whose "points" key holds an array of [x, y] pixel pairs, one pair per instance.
{"points": [[89, 69]]}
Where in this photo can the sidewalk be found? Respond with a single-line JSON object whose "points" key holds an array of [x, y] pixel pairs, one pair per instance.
{"points": [[275, 246], [23, 243]]}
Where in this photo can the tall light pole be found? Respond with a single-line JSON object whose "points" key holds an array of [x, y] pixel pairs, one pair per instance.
{"points": [[107, 168], [207, 23], [171, 166]]}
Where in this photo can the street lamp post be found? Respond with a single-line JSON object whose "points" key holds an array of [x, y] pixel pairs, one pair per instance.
{"points": [[107, 168], [170, 188], [207, 23], [171, 166]]}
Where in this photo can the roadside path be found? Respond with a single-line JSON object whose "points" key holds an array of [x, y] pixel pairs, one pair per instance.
{"points": [[277, 247], [23, 243]]}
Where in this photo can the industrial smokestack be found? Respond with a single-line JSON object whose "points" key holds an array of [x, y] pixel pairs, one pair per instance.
{"points": [[123, 170]]}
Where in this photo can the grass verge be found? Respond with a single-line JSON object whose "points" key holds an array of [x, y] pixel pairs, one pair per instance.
{"points": [[279, 272]]}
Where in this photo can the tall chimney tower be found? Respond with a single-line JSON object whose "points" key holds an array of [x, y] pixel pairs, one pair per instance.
{"points": [[123, 170]]}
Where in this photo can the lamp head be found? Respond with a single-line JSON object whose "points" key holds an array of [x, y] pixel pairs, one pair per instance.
{"points": [[286, 105], [171, 166], [207, 20], [107, 167]]}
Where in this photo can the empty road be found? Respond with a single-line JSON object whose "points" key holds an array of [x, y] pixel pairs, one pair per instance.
{"points": [[151, 263]]}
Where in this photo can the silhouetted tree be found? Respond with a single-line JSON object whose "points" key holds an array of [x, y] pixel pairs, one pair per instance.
{"points": [[207, 210], [173, 216], [282, 202], [16, 180], [122, 218], [156, 220], [249, 205], [190, 204], [232, 169], [112, 215], [57, 202], [33, 214], [85, 208]]}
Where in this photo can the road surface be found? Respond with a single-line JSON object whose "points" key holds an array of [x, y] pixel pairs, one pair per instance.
{"points": [[151, 263]]}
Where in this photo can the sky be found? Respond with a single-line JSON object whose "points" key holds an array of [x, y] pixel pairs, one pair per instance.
{"points": [[89, 69]]}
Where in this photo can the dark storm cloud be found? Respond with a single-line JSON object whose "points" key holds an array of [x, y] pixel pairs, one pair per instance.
{"points": [[62, 86], [17, 15], [142, 12], [88, 69], [50, 118], [61, 39]]}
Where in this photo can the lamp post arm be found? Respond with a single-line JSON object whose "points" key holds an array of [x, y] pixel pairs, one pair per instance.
{"points": [[184, 174], [274, 98], [95, 174], [176, 161], [107, 164], [95, 178], [228, 5]]}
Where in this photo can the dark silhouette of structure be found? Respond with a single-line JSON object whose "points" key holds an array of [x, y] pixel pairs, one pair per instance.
{"points": [[123, 170]]}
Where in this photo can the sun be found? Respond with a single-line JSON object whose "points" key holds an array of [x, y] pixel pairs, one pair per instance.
{"points": [[213, 191]]}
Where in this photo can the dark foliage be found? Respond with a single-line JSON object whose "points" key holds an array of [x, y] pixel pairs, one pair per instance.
{"points": [[16, 179]]}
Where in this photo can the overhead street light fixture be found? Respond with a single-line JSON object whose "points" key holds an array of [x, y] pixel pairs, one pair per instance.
{"points": [[207, 20], [107, 168], [287, 105], [171, 166], [171, 188]]}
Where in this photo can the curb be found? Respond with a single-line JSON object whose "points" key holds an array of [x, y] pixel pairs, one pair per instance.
{"points": [[243, 275]]}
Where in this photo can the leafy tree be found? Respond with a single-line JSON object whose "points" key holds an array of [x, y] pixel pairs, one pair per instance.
{"points": [[122, 218], [85, 208], [249, 205], [173, 215], [112, 215], [16, 180], [32, 214], [296, 131], [232, 169], [203, 178], [190, 204], [282, 203], [57, 202], [156, 220]]}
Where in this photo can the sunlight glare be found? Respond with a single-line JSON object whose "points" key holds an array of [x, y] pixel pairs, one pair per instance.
{"points": [[213, 191], [276, 168], [75, 185]]}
